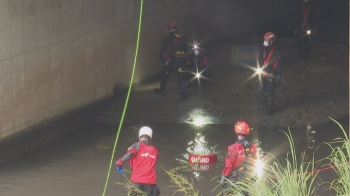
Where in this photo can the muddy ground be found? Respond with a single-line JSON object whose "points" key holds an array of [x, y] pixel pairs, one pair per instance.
{"points": [[78, 163], [310, 91]]}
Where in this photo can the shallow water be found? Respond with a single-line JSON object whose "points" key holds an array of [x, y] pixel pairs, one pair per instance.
{"points": [[77, 164]]}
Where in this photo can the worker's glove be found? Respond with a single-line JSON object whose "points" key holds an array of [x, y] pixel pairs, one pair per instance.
{"points": [[120, 169], [223, 182], [278, 80]]}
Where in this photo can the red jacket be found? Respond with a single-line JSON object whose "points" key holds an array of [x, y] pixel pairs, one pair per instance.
{"points": [[143, 158], [237, 154], [201, 59]]}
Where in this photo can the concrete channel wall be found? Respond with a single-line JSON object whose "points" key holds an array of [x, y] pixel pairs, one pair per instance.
{"points": [[59, 55]]}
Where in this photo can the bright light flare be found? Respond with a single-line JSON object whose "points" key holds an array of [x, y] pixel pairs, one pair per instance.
{"points": [[197, 175], [200, 146], [195, 48], [308, 32], [259, 71], [198, 122], [198, 75], [195, 45], [259, 165]]}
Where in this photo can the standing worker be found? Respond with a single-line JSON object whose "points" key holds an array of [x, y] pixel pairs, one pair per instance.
{"points": [[173, 55], [143, 158], [240, 157], [270, 77], [305, 26]]}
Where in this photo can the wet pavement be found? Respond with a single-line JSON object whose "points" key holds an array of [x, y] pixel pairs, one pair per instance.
{"points": [[77, 163]]}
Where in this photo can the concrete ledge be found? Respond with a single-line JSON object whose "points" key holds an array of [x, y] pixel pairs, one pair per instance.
{"points": [[29, 139], [40, 134]]}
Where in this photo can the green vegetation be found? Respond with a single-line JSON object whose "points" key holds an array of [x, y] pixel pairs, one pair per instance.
{"points": [[182, 184], [340, 161], [132, 189]]}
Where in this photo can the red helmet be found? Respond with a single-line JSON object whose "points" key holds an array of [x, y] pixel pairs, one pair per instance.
{"points": [[173, 25], [269, 38], [242, 127]]}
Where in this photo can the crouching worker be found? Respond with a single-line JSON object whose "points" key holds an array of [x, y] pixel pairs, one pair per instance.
{"points": [[143, 158], [240, 158], [198, 60]]}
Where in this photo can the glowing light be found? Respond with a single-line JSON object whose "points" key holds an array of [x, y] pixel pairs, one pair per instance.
{"points": [[200, 146], [308, 32], [259, 70], [198, 75], [197, 117], [198, 122], [195, 45], [197, 175], [259, 165]]}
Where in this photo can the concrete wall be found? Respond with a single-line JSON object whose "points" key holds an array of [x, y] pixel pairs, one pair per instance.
{"points": [[58, 55]]}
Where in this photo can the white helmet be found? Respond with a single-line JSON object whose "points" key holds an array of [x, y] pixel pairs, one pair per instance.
{"points": [[145, 131]]}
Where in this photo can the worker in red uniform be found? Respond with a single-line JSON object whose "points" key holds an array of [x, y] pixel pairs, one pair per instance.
{"points": [[240, 158], [173, 55], [270, 78], [306, 26], [198, 60], [143, 158]]}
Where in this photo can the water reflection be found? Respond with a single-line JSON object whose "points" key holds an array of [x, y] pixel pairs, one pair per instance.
{"points": [[198, 122], [198, 117], [198, 147], [310, 137]]}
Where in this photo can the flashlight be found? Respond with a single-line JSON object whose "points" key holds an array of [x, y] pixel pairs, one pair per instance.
{"points": [[259, 166], [259, 70], [196, 52]]}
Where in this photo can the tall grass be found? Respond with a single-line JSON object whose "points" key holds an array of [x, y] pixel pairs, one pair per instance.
{"points": [[339, 160], [182, 184], [132, 189]]}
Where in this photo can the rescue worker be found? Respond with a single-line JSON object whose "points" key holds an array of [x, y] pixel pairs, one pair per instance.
{"points": [[143, 158], [270, 77], [173, 55], [305, 27], [240, 158], [198, 60]]}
